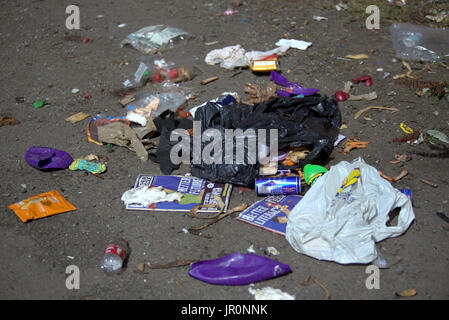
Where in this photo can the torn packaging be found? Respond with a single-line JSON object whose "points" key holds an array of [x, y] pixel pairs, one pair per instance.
{"points": [[310, 122]]}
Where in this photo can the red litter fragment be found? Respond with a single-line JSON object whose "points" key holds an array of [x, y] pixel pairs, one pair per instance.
{"points": [[367, 79], [86, 39], [341, 96], [88, 96]]}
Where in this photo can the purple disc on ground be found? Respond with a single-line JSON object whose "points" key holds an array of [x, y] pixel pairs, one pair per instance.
{"points": [[44, 158], [237, 269]]}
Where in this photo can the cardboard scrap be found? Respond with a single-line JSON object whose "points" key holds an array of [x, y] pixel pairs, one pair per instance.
{"points": [[121, 134], [77, 117]]}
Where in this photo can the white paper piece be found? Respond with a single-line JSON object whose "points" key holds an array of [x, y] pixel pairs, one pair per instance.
{"points": [[292, 43], [235, 56], [145, 196], [269, 293], [318, 18]]}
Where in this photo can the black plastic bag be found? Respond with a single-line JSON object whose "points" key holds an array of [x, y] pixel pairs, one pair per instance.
{"points": [[312, 122]]}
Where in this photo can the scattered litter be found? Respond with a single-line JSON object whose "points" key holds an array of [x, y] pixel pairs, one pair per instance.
{"points": [[396, 179], [77, 117], [401, 158], [354, 144], [237, 269], [271, 213], [75, 91], [269, 293], [408, 137], [406, 128], [266, 186], [443, 216], [40, 206], [416, 42], [208, 80], [407, 293], [144, 196], [232, 57], [360, 112], [89, 166], [121, 134], [438, 135], [434, 185], [226, 98], [365, 79], [341, 6], [408, 74], [363, 97], [306, 281], [312, 172], [272, 251], [438, 18], [276, 113], [267, 64], [341, 96], [122, 25], [251, 249], [173, 264], [292, 43], [45, 158], [39, 103], [228, 12], [318, 18], [291, 88], [143, 115], [331, 213], [192, 192], [151, 39], [114, 256], [357, 56], [257, 94], [8, 121]]}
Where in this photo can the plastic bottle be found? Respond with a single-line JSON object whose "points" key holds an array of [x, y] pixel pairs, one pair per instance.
{"points": [[114, 255]]}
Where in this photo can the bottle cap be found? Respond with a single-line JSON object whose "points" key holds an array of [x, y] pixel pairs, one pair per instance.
{"points": [[312, 172]]}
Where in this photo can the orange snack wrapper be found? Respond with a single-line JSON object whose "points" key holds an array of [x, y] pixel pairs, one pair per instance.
{"points": [[41, 206]]}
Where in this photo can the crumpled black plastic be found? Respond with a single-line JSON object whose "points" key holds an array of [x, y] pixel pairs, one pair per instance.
{"points": [[312, 122], [165, 123]]}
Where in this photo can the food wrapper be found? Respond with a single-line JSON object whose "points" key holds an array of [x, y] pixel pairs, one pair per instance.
{"points": [[41, 206]]}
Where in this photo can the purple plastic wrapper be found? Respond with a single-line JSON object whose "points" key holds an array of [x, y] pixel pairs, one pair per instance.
{"points": [[44, 158], [292, 88], [237, 269]]}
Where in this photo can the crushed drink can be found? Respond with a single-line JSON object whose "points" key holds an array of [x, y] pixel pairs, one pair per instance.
{"points": [[278, 185]]}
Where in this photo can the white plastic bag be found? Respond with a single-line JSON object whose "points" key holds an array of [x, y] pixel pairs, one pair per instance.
{"points": [[341, 221], [235, 56]]}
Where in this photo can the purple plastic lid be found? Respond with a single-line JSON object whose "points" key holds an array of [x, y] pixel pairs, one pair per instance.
{"points": [[237, 269], [44, 158]]}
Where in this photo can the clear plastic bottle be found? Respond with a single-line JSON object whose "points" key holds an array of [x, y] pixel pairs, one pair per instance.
{"points": [[114, 256]]}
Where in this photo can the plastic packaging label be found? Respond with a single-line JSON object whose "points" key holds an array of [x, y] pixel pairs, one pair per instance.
{"points": [[42, 205]]}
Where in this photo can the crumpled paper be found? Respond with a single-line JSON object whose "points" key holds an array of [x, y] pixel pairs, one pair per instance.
{"points": [[121, 134], [232, 57], [145, 196]]}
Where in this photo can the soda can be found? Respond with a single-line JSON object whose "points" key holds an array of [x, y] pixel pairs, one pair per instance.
{"points": [[278, 185]]}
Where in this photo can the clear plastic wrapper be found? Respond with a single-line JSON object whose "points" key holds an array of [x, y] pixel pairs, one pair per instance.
{"points": [[153, 38], [414, 42]]}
